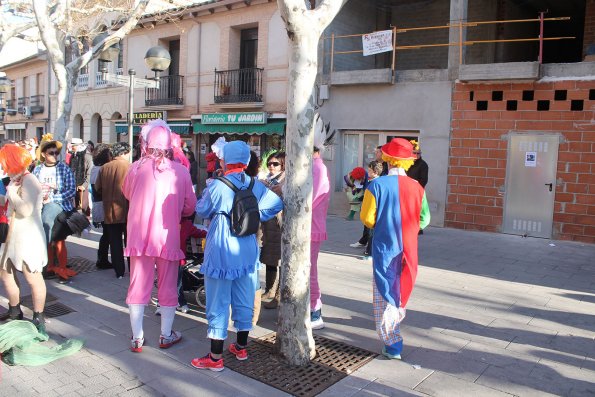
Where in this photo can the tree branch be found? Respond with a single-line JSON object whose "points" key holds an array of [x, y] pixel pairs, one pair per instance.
{"points": [[7, 33], [111, 39], [327, 10]]}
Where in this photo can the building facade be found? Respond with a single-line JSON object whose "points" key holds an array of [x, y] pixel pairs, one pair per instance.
{"points": [[25, 105], [483, 104], [491, 105]]}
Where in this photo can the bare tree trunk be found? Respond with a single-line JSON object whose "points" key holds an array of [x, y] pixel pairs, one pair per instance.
{"points": [[67, 74], [304, 27]]}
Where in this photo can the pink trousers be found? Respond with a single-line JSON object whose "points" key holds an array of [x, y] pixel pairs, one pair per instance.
{"points": [[142, 275], [315, 302]]}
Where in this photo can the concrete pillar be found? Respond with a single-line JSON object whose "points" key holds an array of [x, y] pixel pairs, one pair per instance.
{"points": [[458, 13]]}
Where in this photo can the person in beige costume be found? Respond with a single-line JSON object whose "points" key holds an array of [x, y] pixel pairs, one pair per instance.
{"points": [[25, 246]]}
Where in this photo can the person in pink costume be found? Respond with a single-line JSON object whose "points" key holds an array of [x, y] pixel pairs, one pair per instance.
{"points": [[179, 156], [160, 194], [320, 202]]}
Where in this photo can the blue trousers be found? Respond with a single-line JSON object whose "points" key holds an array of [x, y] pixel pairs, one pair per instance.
{"points": [[221, 294]]}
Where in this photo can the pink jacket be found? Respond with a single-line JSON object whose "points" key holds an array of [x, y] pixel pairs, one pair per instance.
{"points": [[321, 195], [158, 199]]}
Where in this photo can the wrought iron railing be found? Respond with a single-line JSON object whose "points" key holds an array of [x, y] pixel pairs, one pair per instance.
{"points": [[10, 107], [22, 101], [36, 103], [239, 85], [170, 92]]}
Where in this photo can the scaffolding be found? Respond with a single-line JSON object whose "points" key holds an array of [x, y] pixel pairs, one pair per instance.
{"points": [[459, 26]]}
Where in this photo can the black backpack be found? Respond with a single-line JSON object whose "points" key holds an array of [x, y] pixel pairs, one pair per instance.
{"points": [[244, 216]]}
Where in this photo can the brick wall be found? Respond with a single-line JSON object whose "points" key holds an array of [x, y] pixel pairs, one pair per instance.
{"points": [[478, 152], [589, 37]]}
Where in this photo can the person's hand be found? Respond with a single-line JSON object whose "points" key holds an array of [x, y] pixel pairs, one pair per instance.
{"points": [[13, 189], [80, 188]]}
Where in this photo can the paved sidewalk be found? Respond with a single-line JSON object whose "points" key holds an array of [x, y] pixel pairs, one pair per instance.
{"points": [[491, 314]]}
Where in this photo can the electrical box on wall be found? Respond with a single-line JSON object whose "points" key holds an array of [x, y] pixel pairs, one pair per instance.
{"points": [[323, 92]]}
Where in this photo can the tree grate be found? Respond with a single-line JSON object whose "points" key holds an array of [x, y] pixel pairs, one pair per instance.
{"points": [[27, 300], [81, 265], [57, 309], [334, 361]]}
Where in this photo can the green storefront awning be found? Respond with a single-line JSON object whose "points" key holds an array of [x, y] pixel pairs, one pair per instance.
{"points": [[272, 127], [182, 128]]}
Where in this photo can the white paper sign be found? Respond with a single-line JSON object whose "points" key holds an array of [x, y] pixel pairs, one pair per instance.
{"points": [[530, 159], [377, 42]]}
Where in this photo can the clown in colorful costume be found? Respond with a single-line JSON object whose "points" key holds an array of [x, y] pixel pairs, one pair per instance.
{"points": [[396, 207], [230, 262]]}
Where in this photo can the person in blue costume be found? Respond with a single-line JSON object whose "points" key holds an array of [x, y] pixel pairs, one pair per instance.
{"points": [[231, 263]]}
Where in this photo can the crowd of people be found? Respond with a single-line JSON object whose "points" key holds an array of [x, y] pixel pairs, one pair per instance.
{"points": [[147, 211]]}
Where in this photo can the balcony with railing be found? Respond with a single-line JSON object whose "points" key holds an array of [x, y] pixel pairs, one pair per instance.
{"points": [[99, 81], [238, 86], [82, 82], [36, 103], [169, 93], [10, 107], [22, 102]]}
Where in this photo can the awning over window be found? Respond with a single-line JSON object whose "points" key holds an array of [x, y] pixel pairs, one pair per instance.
{"points": [[270, 128], [179, 127]]}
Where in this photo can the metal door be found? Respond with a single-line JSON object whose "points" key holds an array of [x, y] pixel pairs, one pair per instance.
{"points": [[530, 184]]}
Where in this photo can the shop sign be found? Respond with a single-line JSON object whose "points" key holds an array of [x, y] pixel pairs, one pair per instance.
{"points": [[234, 118], [20, 126], [144, 117]]}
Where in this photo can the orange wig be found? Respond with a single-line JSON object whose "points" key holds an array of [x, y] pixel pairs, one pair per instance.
{"points": [[14, 159]]}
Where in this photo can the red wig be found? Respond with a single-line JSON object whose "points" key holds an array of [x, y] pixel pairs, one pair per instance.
{"points": [[358, 173], [14, 159]]}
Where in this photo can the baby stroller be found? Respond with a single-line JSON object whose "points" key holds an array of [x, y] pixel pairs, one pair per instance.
{"points": [[193, 281]]}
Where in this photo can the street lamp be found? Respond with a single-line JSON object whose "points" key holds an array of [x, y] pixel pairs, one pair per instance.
{"points": [[157, 59]]}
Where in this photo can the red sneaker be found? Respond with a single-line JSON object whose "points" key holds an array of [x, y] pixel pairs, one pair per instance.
{"points": [[207, 362], [241, 354], [136, 345]]}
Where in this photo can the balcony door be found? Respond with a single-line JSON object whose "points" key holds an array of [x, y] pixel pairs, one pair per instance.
{"points": [[248, 56], [173, 72]]}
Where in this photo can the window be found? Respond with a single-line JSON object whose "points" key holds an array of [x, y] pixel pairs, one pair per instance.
{"points": [[16, 135], [120, 63]]}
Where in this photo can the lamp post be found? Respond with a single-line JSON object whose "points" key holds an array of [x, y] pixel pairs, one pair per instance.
{"points": [[157, 59]]}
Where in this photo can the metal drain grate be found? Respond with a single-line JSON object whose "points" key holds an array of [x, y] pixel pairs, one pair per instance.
{"points": [[57, 309], [27, 300], [81, 265], [333, 361]]}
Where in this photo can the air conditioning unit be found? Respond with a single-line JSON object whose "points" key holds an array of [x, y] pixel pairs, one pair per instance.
{"points": [[26, 110]]}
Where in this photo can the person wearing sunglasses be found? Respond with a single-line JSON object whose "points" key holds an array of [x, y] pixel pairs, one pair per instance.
{"points": [[270, 253], [58, 191]]}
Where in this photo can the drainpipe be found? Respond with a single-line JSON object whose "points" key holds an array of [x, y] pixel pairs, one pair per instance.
{"points": [[198, 139], [49, 109]]}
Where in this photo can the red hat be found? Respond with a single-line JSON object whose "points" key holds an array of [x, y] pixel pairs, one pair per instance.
{"points": [[399, 149], [358, 173]]}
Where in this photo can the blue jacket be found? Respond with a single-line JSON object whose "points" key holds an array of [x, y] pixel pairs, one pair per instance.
{"points": [[227, 256]]}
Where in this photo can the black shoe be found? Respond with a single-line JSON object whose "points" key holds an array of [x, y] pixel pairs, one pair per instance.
{"points": [[48, 275], [104, 265], [13, 313]]}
